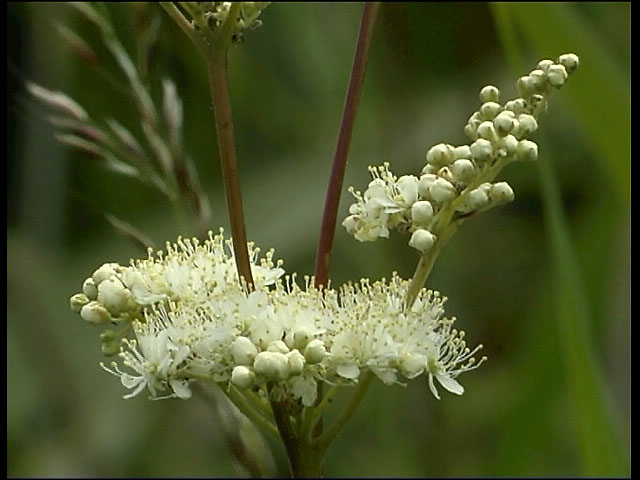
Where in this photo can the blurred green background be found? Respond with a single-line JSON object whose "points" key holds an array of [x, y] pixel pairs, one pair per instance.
{"points": [[530, 410]]}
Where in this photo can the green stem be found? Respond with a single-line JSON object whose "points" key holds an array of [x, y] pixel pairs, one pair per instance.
{"points": [[323, 442], [241, 402]]}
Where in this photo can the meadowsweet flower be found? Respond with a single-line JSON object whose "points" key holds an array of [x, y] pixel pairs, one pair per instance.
{"points": [[457, 180]]}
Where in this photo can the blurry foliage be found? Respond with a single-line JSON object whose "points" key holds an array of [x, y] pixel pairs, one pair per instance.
{"points": [[65, 417]]}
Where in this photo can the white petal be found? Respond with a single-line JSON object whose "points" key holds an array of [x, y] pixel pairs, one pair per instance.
{"points": [[449, 383], [432, 387], [350, 371], [181, 388]]}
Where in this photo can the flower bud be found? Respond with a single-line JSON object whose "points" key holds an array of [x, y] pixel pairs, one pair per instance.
{"points": [[422, 240], [408, 188], [516, 106], [489, 110], [477, 198], [510, 144], [569, 61], [439, 155], [315, 351], [481, 150], [273, 366], [463, 169], [278, 346], [296, 362], [527, 151], [422, 212], [113, 295], [243, 351], [351, 224], [441, 190], [301, 337], [528, 123], [501, 192], [545, 64], [487, 131], [425, 183], [107, 336], [471, 132], [538, 77], [557, 75], [109, 349], [489, 94], [242, 377], [525, 86], [95, 313], [105, 271], [445, 172], [89, 289], [503, 123], [463, 151], [78, 301]]}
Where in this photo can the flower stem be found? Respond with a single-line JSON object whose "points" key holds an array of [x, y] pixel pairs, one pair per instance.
{"points": [[327, 231]]}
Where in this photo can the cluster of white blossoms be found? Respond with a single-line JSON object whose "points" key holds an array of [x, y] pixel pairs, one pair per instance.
{"points": [[194, 321], [456, 181]]}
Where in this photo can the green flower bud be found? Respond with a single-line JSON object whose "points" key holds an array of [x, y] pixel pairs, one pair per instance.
{"points": [[78, 301], [273, 366], [569, 61], [471, 132], [107, 336], [243, 351], [463, 170], [89, 289], [501, 192], [441, 190], [439, 155], [557, 75], [315, 351], [489, 110], [95, 313], [296, 362], [422, 212], [243, 377], [527, 151], [109, 349], [422, 240], [489, 94], [481, 150]]}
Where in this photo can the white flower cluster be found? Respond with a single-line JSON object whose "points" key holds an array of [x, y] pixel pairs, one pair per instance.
{"points": [[456, 181], [192, 320]]}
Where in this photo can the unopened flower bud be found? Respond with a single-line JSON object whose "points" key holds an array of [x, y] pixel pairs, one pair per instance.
{"points": [[503, 123], [516, 106], [425, 183], [110, 348], [315, 351], [441, 190], [301, 337], [89, 289], [489, 94], [489, 110], [422, 212], [78, 301], [569, 61], [463, 151], [528, 123], [107, 335], [477, 198], [422, 240], [527, 151], [439, 155], [487, 131], [471, 132], [525, 86], [463, 169], [242, 377], [557, 75], [545, 64], [113, 295], [538, 77], [481, 150], [296, 362], [273, 366], [278, 346], [510, 144], [243, 351], [105, 271], [501, 192], [95, 313]]}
